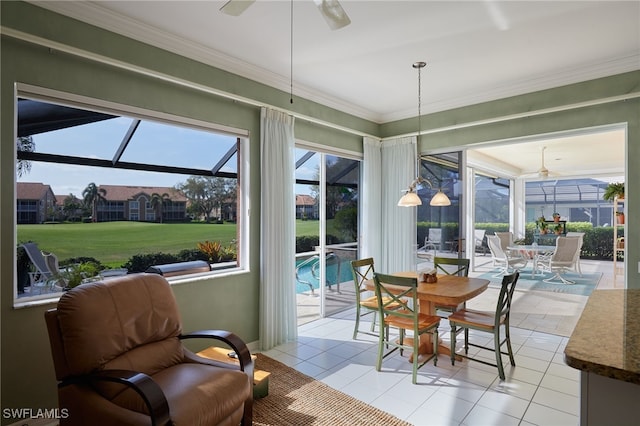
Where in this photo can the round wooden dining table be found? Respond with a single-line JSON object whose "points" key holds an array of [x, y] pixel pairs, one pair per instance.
{"points": [[448, 290]]}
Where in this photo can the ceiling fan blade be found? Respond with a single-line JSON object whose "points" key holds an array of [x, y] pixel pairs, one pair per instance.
{"points": [[333, 13], [543, 173], [236, 7]]}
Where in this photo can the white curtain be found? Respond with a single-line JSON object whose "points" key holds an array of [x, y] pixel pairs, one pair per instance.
{"points": [[370, 212], [278, 322], [399, 159]]}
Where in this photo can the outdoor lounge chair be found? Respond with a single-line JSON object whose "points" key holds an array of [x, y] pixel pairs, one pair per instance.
{"points": [[432, 242], [46, 268], [479, 241], [505, 260], [563, 259]]}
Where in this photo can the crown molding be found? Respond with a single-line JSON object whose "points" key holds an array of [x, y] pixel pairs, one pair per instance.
{"points": [[106, 19], [565, 77], [101, 17]]}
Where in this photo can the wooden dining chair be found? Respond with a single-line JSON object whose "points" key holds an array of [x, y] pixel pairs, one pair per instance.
{"points": [[468, 319], [391, 289], [451, 266], [363, 271]]}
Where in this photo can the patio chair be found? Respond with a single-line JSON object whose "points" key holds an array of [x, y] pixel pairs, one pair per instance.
{"points": [[506, 240], [581, 236], [478, 236], [507, 261], [433, 241], [46, 268], [562, 259]]}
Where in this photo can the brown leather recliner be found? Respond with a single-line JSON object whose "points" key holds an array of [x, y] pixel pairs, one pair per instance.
{"points": [[119, 359]]}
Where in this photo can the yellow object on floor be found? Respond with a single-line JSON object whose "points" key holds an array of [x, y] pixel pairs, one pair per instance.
{"points": [[260, 378]]}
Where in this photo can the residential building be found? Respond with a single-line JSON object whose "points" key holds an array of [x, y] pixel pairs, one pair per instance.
{"points": [[136, 203], [306, 207], [35, 202]]}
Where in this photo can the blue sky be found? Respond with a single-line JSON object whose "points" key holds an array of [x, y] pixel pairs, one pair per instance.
{"points": [[165, 144]]}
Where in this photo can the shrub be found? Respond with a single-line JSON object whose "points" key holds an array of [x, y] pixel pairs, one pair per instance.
{"points": [[188, 255], [307, 243], [142, 262], [346, 221], [211, 249], [82, 259]]}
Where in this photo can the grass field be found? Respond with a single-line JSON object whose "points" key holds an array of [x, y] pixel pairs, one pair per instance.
{"points": [[113, 243]]}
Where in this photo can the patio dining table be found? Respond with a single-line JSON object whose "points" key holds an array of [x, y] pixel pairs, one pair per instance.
{"points": [[534, 252]]}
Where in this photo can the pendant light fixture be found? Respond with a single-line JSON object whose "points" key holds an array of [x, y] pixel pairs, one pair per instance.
{"points": [[411, 198]]}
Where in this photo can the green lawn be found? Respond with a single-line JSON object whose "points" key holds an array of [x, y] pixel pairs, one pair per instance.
{"points": [[113, 243], [312, 227]]}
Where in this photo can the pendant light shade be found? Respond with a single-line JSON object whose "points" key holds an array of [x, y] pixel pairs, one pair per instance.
{"points": [[411, 198], [440, 199]]}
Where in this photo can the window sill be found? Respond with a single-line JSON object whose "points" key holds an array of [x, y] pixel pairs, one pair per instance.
{"points": [[52, 298]]}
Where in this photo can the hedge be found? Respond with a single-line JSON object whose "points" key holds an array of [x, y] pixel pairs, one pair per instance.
{"points": [[597, 242]]}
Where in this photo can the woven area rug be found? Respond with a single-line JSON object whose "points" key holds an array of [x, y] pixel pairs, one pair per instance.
{"points": [[583, 285], [296, 399]]}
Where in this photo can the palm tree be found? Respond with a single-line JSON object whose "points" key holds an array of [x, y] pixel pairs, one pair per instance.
{"points": [[157, 202], [26, 144], [92, 196], [71, 206]]}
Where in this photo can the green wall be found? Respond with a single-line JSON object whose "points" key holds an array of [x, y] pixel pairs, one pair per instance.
{"points": [[570, 112], [25, 363], [230, 303]]}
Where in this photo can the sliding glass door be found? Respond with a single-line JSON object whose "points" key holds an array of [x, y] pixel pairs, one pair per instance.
{"points": [[439, 227], [491, 212], [327, 200]]}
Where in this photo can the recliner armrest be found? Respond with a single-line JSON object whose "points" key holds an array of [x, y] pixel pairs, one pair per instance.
{"points": [[229, 338], [144, 385], [244, 358]]}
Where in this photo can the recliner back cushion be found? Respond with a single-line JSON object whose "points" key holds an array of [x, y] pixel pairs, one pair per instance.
{"points": [[130, 322]]}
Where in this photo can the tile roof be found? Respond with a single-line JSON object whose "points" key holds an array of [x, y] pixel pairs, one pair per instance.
{"points": [[128, 192], [31, 190], [305, 200]]}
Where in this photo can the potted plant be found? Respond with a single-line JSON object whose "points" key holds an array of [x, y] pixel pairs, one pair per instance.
{"points": [[614, 190], [542, 225], [73, 275], [557, 229], [620, 218], [556, 217]]}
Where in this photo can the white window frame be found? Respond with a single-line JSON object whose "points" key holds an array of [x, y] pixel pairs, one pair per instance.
{"points": [[79, 101]]}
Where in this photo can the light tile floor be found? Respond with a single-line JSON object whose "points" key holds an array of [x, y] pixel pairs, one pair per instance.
{"points": [[540, 390]]}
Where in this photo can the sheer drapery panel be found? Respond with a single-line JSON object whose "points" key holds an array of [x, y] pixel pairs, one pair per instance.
{"points": [[278, 322]]}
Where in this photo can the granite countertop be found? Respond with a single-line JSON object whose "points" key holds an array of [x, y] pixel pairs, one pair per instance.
{"points": [[606, 340]]}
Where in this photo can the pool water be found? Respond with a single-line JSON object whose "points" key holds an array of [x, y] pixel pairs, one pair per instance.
{"points": [[308, 273]]}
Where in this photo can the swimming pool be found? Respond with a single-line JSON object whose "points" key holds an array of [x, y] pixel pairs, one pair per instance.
{"points": [[308, 272]]}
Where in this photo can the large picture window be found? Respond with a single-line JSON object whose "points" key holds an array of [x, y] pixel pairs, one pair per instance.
{"points": [[102, 192]]}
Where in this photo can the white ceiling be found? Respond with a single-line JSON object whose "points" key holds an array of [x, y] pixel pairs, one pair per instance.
{"points": [[592, 154], [476, 50]]}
